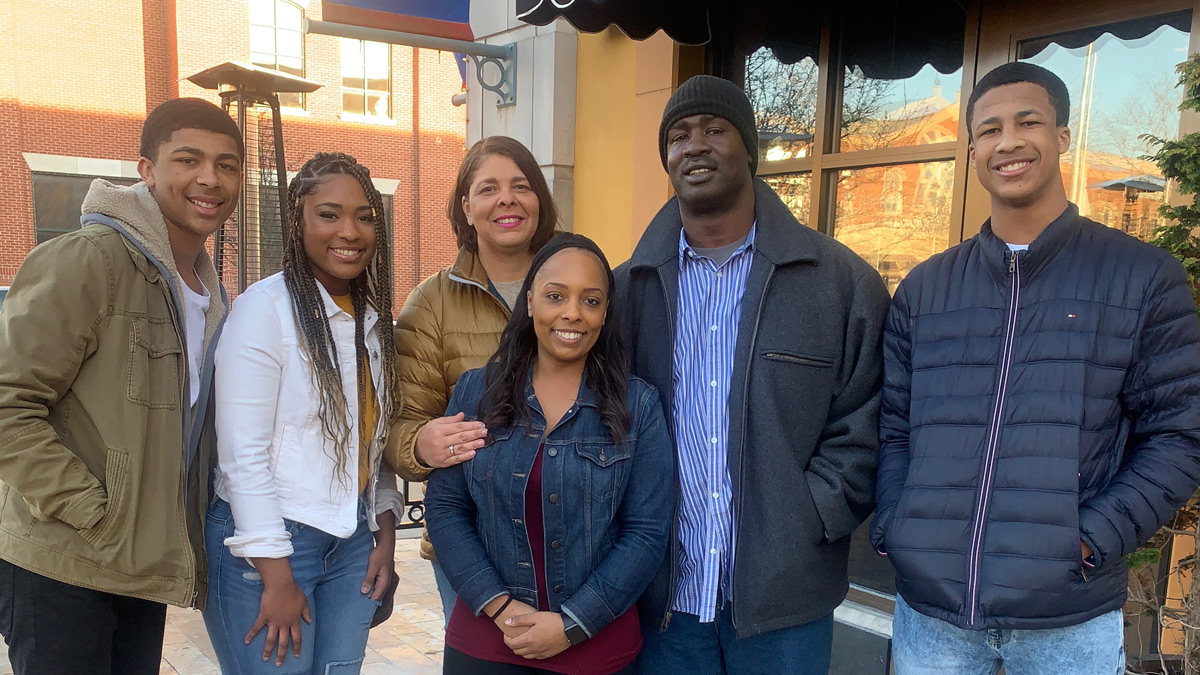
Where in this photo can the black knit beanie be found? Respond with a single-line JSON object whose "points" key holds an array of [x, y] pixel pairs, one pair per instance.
{"points": [[708, 95]]}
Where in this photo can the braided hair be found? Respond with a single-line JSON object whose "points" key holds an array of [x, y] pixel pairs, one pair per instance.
{"points": [[372, 287]]}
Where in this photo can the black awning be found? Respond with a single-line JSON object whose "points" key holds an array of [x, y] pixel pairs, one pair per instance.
{"points": [[1126, 30], [887, 39], [687, 22]]}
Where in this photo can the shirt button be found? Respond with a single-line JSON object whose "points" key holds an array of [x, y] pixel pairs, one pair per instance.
{"points": [[713, 383], [716, 495], [713, 327], [553, 499], [554, 544], [720, 274], [553, 452], [558, 588], [712, 551], [714, 439]]}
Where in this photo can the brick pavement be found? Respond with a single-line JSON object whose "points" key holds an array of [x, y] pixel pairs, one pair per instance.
{"points": [[409, 643]]}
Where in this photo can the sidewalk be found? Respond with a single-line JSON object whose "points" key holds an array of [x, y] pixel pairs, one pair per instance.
{"points": [[409, 643]]}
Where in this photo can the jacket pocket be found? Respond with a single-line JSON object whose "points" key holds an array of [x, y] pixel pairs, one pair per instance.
{"points": [[604, 470], [796, 358], [152, 375], [116, 484]]}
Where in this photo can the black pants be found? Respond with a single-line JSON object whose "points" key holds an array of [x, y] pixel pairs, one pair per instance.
{"points": [[455, 662], [53, 628]]}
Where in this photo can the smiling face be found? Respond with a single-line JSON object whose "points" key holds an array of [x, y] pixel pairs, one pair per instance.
{"points": [[195, 177], [568, 301], [708, 163], [1016, 144], [339, 232], [502, 207]]}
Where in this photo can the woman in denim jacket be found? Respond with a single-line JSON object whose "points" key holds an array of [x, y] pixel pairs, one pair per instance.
{"points": [[552, 531]]}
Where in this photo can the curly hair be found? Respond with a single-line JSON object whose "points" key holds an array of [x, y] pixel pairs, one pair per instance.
{"points": [[372, 287]]}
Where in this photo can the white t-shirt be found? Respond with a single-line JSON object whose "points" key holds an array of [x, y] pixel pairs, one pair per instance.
{"points": [[1017, 247], [195, 306]]}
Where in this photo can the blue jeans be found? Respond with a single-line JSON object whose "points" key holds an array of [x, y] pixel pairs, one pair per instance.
{"points": [[328, 569], [923, 645], [445, 590], [689, 647]]}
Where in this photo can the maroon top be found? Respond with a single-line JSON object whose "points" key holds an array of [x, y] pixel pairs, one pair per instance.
{"points": [[610, 650]]}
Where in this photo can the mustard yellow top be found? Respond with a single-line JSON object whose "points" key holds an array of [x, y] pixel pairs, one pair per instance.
{"points": [[367, 413]]}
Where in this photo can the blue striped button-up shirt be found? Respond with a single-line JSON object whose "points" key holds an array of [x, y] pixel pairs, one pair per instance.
{"points": [[710, 303]]}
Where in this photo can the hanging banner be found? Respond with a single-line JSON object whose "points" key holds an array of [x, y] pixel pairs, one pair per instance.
{"points": [[437, 18]]}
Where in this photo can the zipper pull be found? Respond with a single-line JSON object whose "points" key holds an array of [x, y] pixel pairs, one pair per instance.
{"points": [[1012, 261]]}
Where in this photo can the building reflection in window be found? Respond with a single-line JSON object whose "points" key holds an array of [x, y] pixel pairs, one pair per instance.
{"points": [[784, 96], [1120, 89], [794, 190], [895, 216], [917, 110]]}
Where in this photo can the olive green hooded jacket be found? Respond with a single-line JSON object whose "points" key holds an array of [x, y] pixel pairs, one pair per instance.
{"points": [[103, 464]]}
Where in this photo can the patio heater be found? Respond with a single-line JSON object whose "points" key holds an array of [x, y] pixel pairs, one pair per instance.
{"points": [[249, 246]]}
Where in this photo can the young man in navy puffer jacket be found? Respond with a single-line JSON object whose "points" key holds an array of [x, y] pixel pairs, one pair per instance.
{"points": [[1040, 416]]}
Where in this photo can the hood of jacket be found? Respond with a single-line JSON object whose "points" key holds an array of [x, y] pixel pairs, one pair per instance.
{"points": [[133, 211]]}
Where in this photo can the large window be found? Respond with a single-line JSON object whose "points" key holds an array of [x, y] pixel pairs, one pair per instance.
{"points": [[366, 78], [867, 157], [277, 41], [58, 202], [1120, 90]]}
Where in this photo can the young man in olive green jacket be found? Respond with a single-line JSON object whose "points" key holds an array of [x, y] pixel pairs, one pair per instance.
{"points": [[106, 343]]}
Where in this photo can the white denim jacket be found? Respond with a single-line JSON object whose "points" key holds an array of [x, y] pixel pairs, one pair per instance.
{"points": [[274, 461]]}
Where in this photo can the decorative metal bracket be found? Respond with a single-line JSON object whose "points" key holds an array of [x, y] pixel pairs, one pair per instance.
{"points": [[506, 86], [504, 57]]}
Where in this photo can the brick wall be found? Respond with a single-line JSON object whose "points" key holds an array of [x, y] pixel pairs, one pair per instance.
{"points": [[79, 83]]}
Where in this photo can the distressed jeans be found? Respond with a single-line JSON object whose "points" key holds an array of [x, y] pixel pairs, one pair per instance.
{"points": [[923, 645], [329, 570]]}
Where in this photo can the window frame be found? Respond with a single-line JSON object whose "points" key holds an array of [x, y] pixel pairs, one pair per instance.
{"points": [[364, 91], [303, 99], [824, 161]]}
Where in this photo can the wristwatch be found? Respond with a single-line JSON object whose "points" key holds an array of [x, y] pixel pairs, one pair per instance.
{"points": [[575, 632]]}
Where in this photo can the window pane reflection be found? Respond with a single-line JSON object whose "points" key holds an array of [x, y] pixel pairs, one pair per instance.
{"points": [[1120, 89], [918, 110], [895, 216], [794, 189], [784, 97]]}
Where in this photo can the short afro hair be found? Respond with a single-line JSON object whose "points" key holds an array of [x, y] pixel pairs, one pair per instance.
{"points": [[1012, 73], [186, 113]]}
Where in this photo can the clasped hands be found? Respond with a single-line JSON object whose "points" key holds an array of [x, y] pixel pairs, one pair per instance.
{"points": [[527, 632]]}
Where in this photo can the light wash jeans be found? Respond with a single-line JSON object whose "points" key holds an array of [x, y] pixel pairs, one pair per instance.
{"points": [[328, 569], [923, 645], [445, 591]]}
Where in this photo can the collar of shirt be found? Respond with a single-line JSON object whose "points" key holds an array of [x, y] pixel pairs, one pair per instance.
{"points": [[685, 248]]}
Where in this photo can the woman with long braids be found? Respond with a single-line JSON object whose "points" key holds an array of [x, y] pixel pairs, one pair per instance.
{"points": [[552, 530], [301, 535], [501, 212]]}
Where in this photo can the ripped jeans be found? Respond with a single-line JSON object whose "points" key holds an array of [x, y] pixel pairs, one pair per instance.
{"points": [[328, 569]]}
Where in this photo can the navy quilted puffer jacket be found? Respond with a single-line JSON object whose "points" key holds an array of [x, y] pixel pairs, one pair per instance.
{"points": [[1032, 400]]}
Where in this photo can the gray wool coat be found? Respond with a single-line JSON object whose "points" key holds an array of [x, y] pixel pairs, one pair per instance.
{"points": [[803, 406]]}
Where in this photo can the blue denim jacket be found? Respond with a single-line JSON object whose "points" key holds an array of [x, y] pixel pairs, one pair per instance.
{"points": [[607, 508]]}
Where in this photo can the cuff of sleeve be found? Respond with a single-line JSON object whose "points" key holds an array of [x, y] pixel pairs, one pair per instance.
{"points": [[567, 610], [1096, 530], [588, 609], [389, 500], [481, 589], [262, 546]]}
